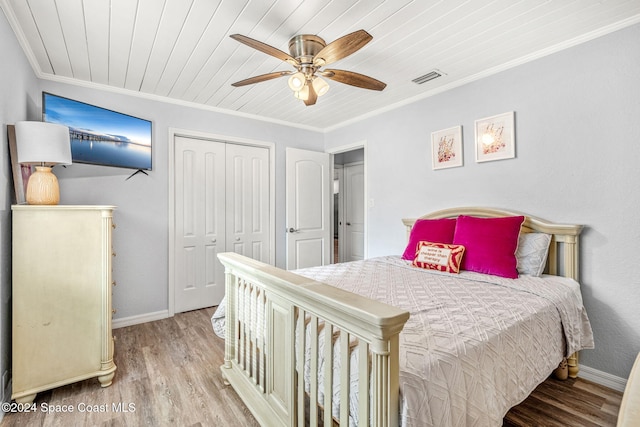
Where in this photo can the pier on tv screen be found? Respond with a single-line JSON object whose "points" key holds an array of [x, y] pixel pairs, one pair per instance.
{"points": [[100, 136]]}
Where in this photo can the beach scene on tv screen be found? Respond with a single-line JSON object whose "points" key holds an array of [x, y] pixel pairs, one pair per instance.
{"points": [[100, 136]]}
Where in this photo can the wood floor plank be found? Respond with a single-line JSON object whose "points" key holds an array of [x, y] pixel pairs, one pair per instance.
{"points": [[588, 407], [567, 403], [169, 374]]}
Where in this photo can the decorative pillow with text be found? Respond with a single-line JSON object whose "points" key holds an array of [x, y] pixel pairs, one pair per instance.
{"points": [[439, 256]]}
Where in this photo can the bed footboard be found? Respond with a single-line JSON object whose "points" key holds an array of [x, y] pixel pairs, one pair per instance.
{"points": [[285, 337]]}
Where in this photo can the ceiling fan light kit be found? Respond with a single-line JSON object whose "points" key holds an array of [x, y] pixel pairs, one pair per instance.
{"points": [[308, 53]]}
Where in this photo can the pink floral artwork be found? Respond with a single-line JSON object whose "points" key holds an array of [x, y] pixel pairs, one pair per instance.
{"points": [[446, 148], [495, 138]]}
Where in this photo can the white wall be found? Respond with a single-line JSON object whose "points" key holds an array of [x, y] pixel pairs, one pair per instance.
{"points": [[18, 89], [141, 237], [577, 152]]}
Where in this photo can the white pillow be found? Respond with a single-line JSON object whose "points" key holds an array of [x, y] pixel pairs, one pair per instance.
{"points": [[532, 252]]}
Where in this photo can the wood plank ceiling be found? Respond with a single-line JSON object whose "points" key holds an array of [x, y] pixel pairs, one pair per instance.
{"points": [[180, 50]]}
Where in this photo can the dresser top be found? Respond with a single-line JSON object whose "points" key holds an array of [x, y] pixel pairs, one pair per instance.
{"points": [[62, 207]]}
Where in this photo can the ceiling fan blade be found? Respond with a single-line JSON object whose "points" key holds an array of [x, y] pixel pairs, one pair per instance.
{"points": [[341, 48], [261, 78], [353, 79], [265, 48], [312, 98]]}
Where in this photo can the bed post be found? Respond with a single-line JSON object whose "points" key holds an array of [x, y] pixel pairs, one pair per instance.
{"points": [[385, 371], [571, 253], [571, 268]]}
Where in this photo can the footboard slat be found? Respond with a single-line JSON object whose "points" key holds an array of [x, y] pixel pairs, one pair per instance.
{"points": [[261, 343], [363, 384], [241, 321], [253, 296], [328, 375], [313, 371], [300, 367], [286, 335], [344, 378]]}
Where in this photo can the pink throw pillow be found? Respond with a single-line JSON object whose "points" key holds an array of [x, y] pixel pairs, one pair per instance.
{"points": [[429, 230], [490, 244]]}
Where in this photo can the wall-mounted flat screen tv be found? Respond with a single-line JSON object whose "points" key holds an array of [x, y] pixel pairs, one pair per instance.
{"points": [[100, 136]]}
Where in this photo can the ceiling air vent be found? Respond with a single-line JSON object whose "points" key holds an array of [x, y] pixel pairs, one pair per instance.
{"points": [[429, 76]]}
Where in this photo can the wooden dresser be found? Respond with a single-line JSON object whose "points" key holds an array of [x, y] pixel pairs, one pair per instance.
{"points": [[62, 257], [629, 414]]}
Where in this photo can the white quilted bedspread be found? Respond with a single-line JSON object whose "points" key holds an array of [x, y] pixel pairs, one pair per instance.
{"points": [[475, 345]]}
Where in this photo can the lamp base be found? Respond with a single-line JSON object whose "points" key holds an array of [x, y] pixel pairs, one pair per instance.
{"points": [[42, 187]]}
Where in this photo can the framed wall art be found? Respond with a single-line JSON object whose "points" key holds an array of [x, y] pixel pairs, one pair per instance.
{"points": [[446, 148], [495, 138], [20, 172]]}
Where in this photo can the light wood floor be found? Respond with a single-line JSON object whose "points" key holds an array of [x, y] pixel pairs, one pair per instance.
{"points": [[168, 375]]}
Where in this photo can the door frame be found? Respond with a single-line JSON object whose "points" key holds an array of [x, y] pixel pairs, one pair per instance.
{"points": [[344, 196], [270, 146], [368, 203], [340, 172]]}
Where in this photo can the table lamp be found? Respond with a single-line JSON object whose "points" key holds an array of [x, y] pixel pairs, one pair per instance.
{"points": [[43, 145]]}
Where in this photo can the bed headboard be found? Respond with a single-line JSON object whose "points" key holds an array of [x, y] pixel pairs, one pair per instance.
{"points": [[563, 250]]}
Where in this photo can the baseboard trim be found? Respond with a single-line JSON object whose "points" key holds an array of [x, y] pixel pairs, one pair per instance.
{"points": [[602, 378], [141, 318]]}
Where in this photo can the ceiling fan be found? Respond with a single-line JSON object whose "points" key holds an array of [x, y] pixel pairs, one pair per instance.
{"points": [[308, 53]]}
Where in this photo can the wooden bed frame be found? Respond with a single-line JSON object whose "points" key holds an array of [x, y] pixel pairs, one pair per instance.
{"points": [[266, 305]]}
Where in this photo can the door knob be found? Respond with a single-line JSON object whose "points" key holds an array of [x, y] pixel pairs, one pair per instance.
{"points": [[213, 240], [292, 230], [237, 239], [348, 223]]}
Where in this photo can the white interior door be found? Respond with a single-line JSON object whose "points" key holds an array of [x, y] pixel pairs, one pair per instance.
{"points": [[199, 223], [308, 208], [247, 196], [354, 211]]}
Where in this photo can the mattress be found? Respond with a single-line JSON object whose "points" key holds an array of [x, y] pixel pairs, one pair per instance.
{"points": [[475, 345]]}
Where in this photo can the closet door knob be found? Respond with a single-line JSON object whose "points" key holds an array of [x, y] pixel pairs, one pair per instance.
{"points": [[292, 230], [237, 239], [213, 240]]}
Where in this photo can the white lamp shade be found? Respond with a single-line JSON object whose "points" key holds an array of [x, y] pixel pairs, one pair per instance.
{"points": [[303, 93], [320, 86], [297, 81], [43, 143]]}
